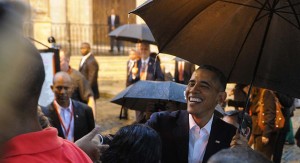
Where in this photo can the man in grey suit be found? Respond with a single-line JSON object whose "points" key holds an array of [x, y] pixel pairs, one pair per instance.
{"points": [[193, 135], [72, 119]]}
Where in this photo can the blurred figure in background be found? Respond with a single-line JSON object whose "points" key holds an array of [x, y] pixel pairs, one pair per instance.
{"points": [[147, 69], [297, 137], [131, 63], [81, 89], [89, 68], [183, 71], [263, 138], [113, 22], [287, 106], [239, 93]]}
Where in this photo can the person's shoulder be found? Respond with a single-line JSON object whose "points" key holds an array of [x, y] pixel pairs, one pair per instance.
{"points": [[80, 105], [224, 125], [76, 74], [75, 152], [151, 59], [47, 109], [168, 115]]}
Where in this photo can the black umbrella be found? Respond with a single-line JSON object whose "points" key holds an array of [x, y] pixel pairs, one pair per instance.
{"points": [[138, 95], [251, 41], [134, 33]]}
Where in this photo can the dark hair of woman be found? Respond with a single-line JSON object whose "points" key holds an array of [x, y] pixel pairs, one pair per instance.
{"points": [[134, 144]]}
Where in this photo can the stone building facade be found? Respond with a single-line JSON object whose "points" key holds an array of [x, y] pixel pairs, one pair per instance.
{"points": [[74, 21]]}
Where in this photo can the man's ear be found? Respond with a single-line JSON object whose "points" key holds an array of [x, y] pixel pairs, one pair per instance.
{"points": [[222, 97], [52, 88]]}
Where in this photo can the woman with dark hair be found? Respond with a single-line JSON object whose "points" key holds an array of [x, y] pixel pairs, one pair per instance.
{"points": [[134, 144]]}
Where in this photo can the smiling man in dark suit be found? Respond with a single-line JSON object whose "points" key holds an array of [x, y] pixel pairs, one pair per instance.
{"points": [[72, 119], [193, 135]]}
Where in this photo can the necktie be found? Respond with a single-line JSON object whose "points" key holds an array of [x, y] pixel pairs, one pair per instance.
{"points": [[143, 71], [180, 69]]}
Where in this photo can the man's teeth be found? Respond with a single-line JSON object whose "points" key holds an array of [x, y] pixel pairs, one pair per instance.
{"points": [[194, 99]]}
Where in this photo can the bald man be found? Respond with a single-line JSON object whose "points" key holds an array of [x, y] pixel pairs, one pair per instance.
{"points": [[72, 118]]}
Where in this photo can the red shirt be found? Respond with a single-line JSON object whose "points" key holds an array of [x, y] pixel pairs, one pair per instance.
{"points": [[42, 146]]}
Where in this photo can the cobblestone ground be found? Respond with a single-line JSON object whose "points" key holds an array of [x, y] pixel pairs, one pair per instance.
{"points": [[108, 119]]}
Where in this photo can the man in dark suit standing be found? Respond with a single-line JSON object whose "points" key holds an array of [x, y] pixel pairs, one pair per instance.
{"points": [[193, 135], [89, 68], [147, 69], [72, 119], [183, 71], [113, 22]]}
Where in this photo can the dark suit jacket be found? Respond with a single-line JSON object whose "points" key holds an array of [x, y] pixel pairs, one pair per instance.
{"points": [[116, 23], [153, 72], [83, 119], [89, 70], [188, 70], [173, 128], [82, 89]]}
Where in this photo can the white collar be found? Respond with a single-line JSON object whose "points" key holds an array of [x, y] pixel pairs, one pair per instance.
{"points": [[86, 56], [207, 127], [146, 60], [60, 107]]}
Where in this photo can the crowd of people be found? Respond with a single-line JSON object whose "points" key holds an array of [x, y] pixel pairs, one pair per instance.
{"points": [[64, 131]]}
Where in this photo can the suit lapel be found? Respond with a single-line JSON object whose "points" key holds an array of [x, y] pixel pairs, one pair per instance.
{"points": [[76, 121], [85, 62], [80, 66], [214, 141], [55, 120], [181, 132], [150, 70]]}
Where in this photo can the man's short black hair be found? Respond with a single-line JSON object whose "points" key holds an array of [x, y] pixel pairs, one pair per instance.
{"points": [[219, 74]]}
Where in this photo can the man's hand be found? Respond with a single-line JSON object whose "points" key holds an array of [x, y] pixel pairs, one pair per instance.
{"points": [[88, 146], [264, 140], [239, 140]]}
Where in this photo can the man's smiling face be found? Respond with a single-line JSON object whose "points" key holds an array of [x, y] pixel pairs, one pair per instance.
{"points": [[203, 93]]}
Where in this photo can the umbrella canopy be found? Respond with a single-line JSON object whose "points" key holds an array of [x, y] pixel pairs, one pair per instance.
{"points": [[138, 95], [134, 33], [254, 41]]}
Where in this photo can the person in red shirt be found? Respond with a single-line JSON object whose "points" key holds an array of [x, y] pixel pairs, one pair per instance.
{"points": [[22, 138]]}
